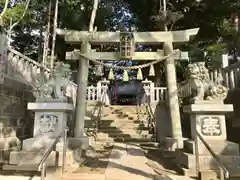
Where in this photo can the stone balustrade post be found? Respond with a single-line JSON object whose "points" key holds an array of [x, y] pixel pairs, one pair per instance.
{"points": [[147, 91], [224, 64], [99, 90], [152, 92], [104, 89]]}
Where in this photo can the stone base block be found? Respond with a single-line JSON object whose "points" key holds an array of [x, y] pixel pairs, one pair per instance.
{"points": [[34, 157], [226, 148], [31, 158], [207, 162], [172, 143], [37, 143], [70, 161], [78, 143], [207, 175]]}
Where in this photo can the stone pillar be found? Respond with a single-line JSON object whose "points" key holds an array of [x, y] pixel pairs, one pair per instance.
{"points": [[147, 91], [104, 89], [224, 64], [99, 90], [173, 102], [152, 92], [50, 120], [82, 82], [208, 119]]}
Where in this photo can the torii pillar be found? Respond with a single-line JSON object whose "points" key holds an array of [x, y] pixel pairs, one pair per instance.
{"points": [[176, 141], [82, 81], [80, 140]]}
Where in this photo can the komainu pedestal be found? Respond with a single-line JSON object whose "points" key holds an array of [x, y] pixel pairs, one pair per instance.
{"points": [[208, 119], [50, 120], [52, 111]]}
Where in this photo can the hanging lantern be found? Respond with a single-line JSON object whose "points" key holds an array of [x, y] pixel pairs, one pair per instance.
{"points": [[151, 71], [125, 76], [99, 70], [139, 74], [111, 74]]}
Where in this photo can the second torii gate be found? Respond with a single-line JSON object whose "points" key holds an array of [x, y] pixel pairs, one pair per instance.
{"points": [[86, 39]]}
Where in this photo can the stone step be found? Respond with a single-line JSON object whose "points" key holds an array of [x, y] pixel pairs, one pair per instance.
{"points": [[123, 112], [119, 121], [125, 139], [210, 174], [124, 126], [83, 176], [123, 131], [118, 126], [120, 135], [175, 177], [122, 117], [26, 168], [233, 172], [224, 148], [111, 123], [31, 158], [207, 162]]}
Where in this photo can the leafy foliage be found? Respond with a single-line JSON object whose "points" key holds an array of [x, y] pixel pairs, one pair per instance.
{"points": [[215, 19]]}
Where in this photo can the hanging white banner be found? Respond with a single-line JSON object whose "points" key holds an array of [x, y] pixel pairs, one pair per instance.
{"points": [[3, 57]]}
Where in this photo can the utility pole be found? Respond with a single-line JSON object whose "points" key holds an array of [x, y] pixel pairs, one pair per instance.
{"points": [[54, 35], [165, 14], [47, 33]]}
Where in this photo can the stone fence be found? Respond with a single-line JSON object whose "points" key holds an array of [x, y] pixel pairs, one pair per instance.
{"points": [[157, 94]]}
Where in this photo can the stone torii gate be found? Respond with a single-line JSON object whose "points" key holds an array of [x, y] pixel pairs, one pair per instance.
{"points": [[127, 51]]}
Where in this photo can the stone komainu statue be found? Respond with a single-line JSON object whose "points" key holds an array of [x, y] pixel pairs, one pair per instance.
{"points": [[55, 86], [201, 84]]}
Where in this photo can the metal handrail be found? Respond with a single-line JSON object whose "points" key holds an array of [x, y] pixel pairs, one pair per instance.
{"points": [[42, 164], [224, 173], [152, 119]]}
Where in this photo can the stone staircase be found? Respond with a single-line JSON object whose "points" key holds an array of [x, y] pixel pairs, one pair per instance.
{"points": [[121, 123]]}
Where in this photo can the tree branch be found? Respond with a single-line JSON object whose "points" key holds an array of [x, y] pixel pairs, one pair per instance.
{"points": [[5, 8], [24, 12], [4, 11], [93, 15]]}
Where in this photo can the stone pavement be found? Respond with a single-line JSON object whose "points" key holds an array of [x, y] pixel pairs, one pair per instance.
{"points": [[128, 162]]}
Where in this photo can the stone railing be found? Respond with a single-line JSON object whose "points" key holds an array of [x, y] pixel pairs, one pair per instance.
{"points": [[29, 69], [231, 75], [184, 90], [160, 94], [92, 94]]}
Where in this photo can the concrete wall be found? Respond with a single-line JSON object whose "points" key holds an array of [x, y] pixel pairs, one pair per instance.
{"points": [[16, 121]]}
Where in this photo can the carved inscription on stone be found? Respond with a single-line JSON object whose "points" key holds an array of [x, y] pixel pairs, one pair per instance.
{"points": [[211, 126], [48, 123]]}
